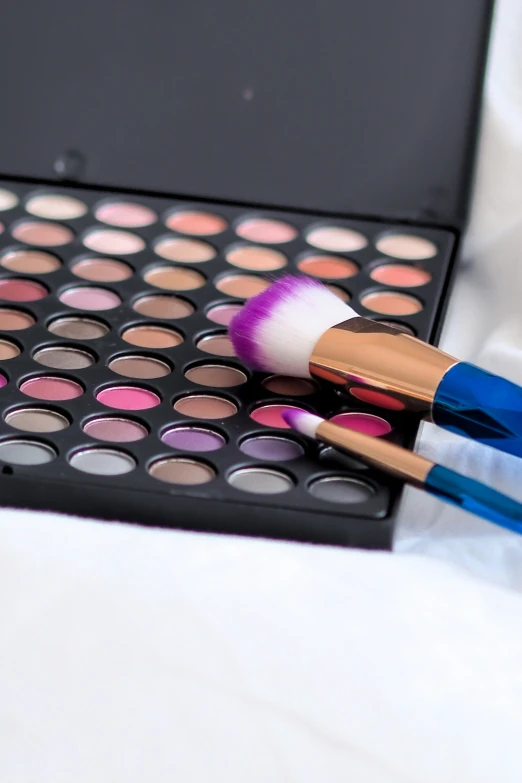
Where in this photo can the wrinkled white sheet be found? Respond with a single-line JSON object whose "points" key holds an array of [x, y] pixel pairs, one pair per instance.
{"points": [[131, 655]]}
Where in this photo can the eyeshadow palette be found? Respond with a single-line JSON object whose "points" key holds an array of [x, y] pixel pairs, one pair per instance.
{"points": [[121, 396]]}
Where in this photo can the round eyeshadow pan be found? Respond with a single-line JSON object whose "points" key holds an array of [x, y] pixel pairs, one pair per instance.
{"points": [[181, 471], [265, 230], [150, 336], [90, 298], [64, 358], [336, 239], [377, 398], [407, 246], [8, 350], [51, 388], [400, 275], [113, 242], [184, 251], [74, 328], [193, 439], [3, 381], [222, 314], [290, 387], [327, 267], [15, 320], [115, 429], [164, 306], [14, 289], [216, 344], [391, 303], [203, 406], [174, 278], [241, 286], [26, 452], [271, 448], [216, 375], [35, 232], [102, 462], [271, 415], [36, 420], [363, 422], [260, 481], [125, 214], [196, 223], [55, 206], [32, 262], [8, 200], [256, 259], [128, 398], [341, 489], [144, 367], [101, 270]]}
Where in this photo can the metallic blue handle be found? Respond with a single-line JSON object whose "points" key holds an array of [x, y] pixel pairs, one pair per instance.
{"points": [[481, 406], [474, 497]]}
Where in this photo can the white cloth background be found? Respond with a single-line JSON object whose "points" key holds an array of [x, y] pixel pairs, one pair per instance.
{"points": [[131, 655]]}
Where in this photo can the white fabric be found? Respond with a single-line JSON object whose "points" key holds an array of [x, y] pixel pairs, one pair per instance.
{"points": [[130, 654]]}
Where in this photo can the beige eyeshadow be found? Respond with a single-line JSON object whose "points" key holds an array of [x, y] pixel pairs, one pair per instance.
{"points": [[164, 306], [174, 278], [216, 375], [391, 303], [150, 336], [8, 200], [189, 251], [241, 286], [407, 246], [101, 270], [55, 206], [15, 320], [256, 259], [201, 406], [32, 262], [113, 242], [181, 471], [336, 238], [8, 350], [196, 223]]}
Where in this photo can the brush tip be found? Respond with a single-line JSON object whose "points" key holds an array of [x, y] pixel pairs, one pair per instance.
{"points": [[302, 421]]}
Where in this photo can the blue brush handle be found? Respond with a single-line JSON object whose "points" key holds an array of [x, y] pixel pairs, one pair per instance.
{"points": [[481, 406], [474, 497]]}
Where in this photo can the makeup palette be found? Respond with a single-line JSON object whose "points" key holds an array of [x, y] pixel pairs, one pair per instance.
{"points": [[135, 224]]}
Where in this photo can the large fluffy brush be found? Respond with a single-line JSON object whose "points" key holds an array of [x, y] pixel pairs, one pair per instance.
{"points": [[299, 327]]}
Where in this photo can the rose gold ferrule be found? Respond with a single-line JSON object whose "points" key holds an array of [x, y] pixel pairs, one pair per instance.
{"points": [[376, 452], [367, 354]]}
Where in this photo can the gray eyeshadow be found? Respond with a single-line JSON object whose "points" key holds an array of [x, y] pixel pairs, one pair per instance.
{"points": [[19, 452], [340, 489], [260, 481], [102, 462], [272, 449]]}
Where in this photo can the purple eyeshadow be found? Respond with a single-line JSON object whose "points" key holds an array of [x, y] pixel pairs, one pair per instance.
{"points": [[272, 449], [193, 439]]}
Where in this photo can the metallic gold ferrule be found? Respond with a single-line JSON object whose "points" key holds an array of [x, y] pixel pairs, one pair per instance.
{"points": [[370, 355], [378, 453]]}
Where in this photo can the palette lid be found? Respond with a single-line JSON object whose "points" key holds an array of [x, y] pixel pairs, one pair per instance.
{"points": [[365, 107]]}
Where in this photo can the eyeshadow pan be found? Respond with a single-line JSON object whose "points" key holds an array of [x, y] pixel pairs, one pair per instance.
{"points": [[290, 387], [216, 344], [241, 286], [271, 415], [26, 452], [400, 275], [128, 398], [164, 306], [260, 481], [205, 406], [114, 242], [102, 462], [125, 214], [15, 320], [150, 336], [271, 449], [14, 289], [8, 350], [188, 251], [8, 200], [196, 223], [55, 206], [90, 298], [391, 303], [336, 239], [36, 420], [363, 422], [184, 472], [64, 358], [32, 262], [143, 367], [267, 231], [223, 314], [377, 398], [256, 259], [101, 270], [51, 388], [75, 328], [117, 430], [341, 489], [174, 278], [193, 439], [216, 375], [3, 381], [328, 267], [407, 246], [36, 232]]}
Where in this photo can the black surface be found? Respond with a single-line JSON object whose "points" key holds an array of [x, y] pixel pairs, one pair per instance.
{"points": [[366, 107]]}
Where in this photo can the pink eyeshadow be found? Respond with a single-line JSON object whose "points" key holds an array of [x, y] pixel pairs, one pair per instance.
{"points": [[49, 388], [128, 398], [223, 314], [377, 398], [266, 231], [3, 381], [16, 290], [90, 298], [271, 415], [126, 214], [363, 422]]}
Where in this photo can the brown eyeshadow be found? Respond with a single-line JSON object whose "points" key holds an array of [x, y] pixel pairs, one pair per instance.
{"points": [[201, 406], [184, 472], [174, 278], [15, 320], [8, 350], [216, 344], [32, 262], [144, 367], [64, 358], [75, 328], [216, 375], [102, 270], [152, 336], [165, 306]]}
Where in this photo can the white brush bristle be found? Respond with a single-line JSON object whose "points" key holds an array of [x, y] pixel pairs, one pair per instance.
{"points": [[303, 422]]}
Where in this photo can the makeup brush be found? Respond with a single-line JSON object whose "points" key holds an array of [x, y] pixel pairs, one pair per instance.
{"points": [[299, 327], [445, 484]]}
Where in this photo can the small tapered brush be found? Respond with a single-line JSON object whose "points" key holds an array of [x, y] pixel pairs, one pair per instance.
{"points": [[299, 327], [443, 483]]}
